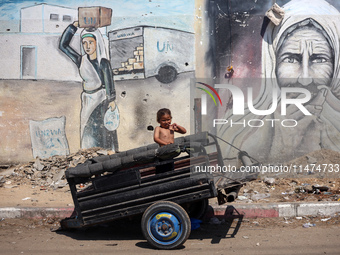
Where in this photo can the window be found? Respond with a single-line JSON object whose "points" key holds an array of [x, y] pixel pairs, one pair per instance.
{"points": [[54, 17], [67, 18]]}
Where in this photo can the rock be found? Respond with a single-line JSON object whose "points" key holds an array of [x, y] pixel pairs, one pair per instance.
{"points": [[59, 184], [300, 189], [102, 152], [269, 181], [57, 177], [320, 188], [307, 225], [37, 165], [48, 181], [311, 160], [242, 198], [259, 196]]}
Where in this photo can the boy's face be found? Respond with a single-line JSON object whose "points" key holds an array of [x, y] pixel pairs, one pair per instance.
{"points": [[165, 121]]}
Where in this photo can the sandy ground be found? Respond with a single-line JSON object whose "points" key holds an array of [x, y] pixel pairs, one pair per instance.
{"points": [[26, 196], [280, 236]]}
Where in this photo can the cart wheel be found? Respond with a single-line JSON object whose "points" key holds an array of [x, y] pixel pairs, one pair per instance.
{"points": [[166, 74], [166, 225]]}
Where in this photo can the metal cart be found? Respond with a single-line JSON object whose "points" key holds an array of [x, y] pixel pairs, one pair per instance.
{"points": [[161, 183]]}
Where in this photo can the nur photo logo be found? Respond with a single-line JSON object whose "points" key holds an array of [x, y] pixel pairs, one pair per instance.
{"points": [[204, 97]]}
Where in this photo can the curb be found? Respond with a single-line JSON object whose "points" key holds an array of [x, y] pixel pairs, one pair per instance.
{"points": [[270, 210], [35, 212]]}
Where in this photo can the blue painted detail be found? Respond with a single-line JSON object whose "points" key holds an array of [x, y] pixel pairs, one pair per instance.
{"points": [[165, 228], [168, 47], [90, 20], [160, 50]]}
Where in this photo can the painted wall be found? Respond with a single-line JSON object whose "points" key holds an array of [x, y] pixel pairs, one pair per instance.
{"points": [[301, 52], [44, 108], [42, 93]]}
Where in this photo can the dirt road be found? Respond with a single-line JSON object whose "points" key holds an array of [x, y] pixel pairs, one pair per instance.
{"points": [[259, 236]]}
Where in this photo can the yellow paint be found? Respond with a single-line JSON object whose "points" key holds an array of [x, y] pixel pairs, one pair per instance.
{"points": [[170, 237], [158, 216]]}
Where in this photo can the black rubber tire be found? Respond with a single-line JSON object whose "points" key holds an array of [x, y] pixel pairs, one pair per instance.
{"points": [[166, 74], [198, 209], [174, 209]]}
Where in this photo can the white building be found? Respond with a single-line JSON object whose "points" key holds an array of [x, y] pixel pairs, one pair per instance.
{"points": [[34, 53], [44, 18]]}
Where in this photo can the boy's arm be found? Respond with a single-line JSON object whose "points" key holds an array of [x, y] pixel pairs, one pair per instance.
{"points": [[156, 137], [179, 128]]}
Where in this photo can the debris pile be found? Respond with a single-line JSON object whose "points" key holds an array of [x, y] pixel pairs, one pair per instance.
{"points": [[290, 190], [47, 173]]}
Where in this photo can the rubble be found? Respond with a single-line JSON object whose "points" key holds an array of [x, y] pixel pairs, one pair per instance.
{"points": [[269, 181], [47, 173]]}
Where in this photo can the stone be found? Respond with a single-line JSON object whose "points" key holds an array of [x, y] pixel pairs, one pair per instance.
{"points": [[259, 196], [37, 165], [269, 181], [311, 160]]}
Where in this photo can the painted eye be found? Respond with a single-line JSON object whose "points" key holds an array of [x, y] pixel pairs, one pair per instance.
{"points": [[319, 60], [290, 60]]}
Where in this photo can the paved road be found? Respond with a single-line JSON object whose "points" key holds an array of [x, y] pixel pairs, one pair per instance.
{"points": [[259, 236]]}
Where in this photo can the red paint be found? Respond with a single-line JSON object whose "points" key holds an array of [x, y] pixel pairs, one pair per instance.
{"points": [[246, 213]]}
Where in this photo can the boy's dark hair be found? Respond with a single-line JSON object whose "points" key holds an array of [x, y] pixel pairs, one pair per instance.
{"points": [[162, 112]]}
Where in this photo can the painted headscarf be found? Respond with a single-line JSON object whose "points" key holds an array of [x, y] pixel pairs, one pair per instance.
{"points": [[318, 13], [297, 13], [101, 50]]}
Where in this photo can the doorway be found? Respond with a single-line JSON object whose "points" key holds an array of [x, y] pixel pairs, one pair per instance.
{"points": [[28, 62]]}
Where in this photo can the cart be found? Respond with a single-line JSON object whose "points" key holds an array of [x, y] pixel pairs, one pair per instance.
{"points": [[162, 184]]}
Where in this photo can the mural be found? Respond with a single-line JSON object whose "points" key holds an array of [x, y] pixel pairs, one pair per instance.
{"points": [[48, 137], [138, 73], [98, 96], [301, 52], [164, 50], [144, 58]]}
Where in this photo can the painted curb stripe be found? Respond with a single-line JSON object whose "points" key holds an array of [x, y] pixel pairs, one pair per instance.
{"points": [[234, 210]]}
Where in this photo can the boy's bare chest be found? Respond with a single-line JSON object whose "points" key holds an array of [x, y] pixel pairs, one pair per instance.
{"points": [[166, 133]]}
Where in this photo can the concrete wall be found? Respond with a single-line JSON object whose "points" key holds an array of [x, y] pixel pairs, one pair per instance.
{"points": [[40, 90], [226, 33], [267, 57]]}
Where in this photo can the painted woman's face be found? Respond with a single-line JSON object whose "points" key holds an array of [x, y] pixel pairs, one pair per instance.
{"points": [[89, 45], [305, 59]]}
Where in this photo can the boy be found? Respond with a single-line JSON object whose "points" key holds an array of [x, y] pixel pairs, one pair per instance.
{"points": [[164, 134]]}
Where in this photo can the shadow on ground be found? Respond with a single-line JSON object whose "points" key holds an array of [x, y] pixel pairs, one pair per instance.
{"points": [[213, 227]]}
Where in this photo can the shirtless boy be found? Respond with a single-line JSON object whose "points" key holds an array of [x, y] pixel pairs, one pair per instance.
{"points": [[164, 134]]}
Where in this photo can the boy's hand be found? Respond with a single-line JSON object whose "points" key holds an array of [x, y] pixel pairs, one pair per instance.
{"points": [[173, 127], [178, 128]]}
